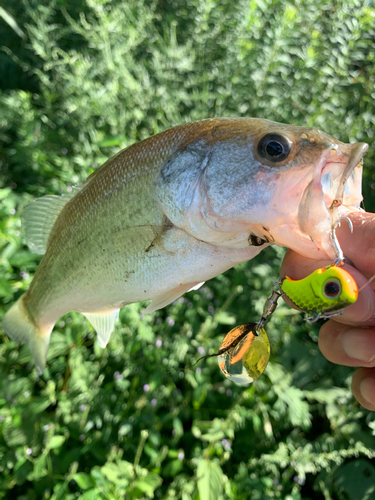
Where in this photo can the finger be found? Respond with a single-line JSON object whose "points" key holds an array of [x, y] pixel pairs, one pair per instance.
{"points": [[359, 246], [362, 311], [348, 345], [297, 267], [363, 387]]}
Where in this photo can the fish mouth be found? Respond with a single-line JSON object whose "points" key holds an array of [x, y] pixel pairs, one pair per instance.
{"points": [[334, 191], [346, 189]]}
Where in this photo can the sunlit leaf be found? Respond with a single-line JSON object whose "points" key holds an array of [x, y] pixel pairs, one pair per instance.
{"points": [[209, 478]]}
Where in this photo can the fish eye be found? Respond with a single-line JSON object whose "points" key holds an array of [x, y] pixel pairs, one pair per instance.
{"points": [[332, 288], [274, 147]]}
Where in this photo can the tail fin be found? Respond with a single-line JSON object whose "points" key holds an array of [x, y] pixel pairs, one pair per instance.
{"points": [[18, 324]]}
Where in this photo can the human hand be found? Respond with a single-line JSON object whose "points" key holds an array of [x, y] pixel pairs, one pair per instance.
{"points": [[349, 339]]}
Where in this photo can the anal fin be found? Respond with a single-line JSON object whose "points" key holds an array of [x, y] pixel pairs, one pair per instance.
{"points": [[104, 324], [170, 296]]}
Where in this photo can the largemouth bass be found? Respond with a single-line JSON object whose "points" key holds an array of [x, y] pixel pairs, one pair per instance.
{"points": [[177, 209]]}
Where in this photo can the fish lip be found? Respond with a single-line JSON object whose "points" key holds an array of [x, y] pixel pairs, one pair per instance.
{"points": [[357, 152], [348, 157]]}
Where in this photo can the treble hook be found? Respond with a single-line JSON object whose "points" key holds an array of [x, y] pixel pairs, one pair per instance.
{"points": [[339, 261]]}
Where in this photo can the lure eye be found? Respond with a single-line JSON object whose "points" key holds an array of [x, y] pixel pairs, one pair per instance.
{"points": [[274, 147], [332, 288]]}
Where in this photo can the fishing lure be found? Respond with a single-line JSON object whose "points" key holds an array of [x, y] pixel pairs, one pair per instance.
{"points": [[322, 292], [245, 351]]}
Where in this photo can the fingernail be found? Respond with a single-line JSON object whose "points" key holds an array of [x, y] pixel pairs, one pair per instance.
{"points": [[359, 344], [367, 388]]}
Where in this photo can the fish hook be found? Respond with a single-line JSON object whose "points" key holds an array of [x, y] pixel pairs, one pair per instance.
{"points": [[339, 261]]}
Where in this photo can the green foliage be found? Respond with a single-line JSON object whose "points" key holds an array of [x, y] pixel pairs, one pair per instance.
{"points": [[133, 421], [209, 479]]}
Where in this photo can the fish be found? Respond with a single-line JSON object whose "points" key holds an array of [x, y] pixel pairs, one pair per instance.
{"points": [[168, 213], [327, 289]]}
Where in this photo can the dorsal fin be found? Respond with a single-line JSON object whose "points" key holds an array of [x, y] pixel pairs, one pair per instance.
{"points": [[39, 217]]}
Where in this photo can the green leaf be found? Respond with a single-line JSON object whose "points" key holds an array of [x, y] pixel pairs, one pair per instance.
{"points": [[209, 478], [16, 387], [4, 192], [22, 470], [148, 484], [126, 468], [13, 436], [199, 395], [125, 429], [224, 318], [60, 491], [111, 141], [172, 468], [22, 258], [115, 475], [24, 355], [211, 431], [84, 481], [9, 19], [58, 346], [38, 405], [93, 494], [178, 427], [356, 479], [326, 395], [40, 468], [5, 289], [55, 442]]}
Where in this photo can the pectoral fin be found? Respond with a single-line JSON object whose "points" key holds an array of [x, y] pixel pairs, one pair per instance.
{"points": [[171, 296], [104, 324]]}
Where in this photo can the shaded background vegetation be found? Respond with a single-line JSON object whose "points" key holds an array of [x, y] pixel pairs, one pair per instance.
{"points": [[81, 79]]}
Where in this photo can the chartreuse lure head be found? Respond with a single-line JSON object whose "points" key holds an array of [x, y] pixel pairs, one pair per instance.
{"points": [[244, 354], [326, 289]]}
